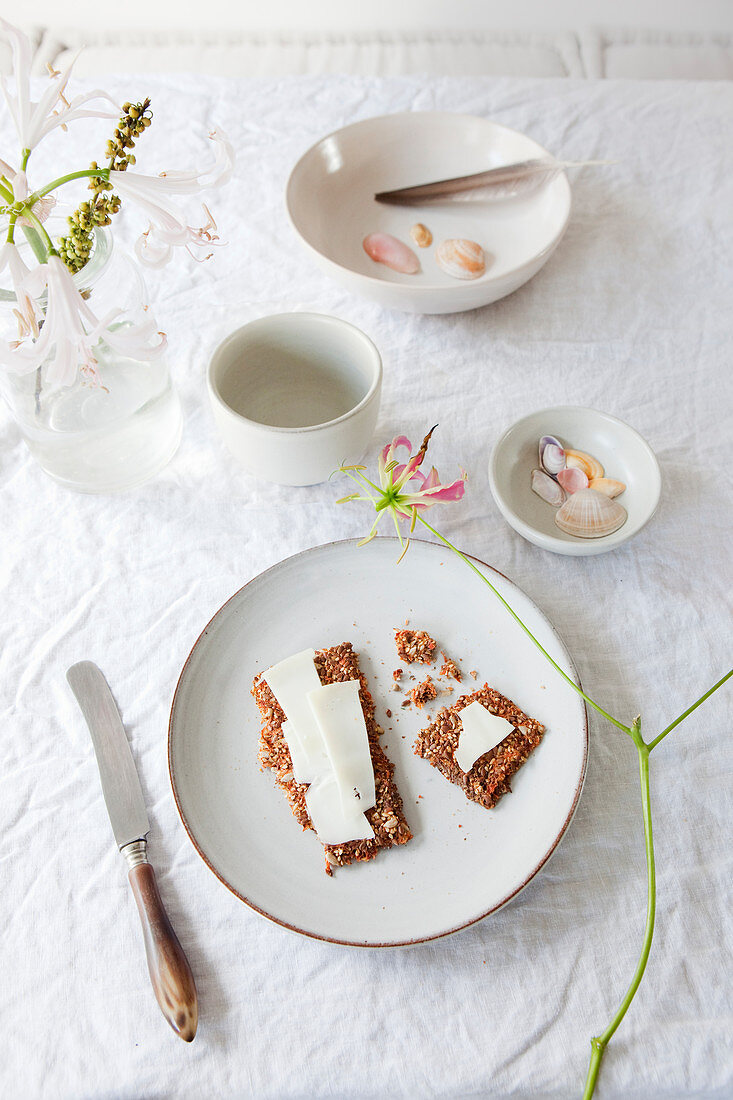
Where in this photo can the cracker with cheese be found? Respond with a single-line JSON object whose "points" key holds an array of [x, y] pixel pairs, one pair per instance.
{"points": [[479, 743], [320, 737]]}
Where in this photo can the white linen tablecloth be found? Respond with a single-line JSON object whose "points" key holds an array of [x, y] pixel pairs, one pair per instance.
{"points": [[632, 315]]}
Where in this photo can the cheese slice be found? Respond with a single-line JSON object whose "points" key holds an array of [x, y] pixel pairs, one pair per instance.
{"points": [[329, 747], [481, 732], [335, 820], [340, 719], [290, 681], [298, 755]]}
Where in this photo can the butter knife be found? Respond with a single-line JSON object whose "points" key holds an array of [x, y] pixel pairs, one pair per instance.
{"points": [[170, 973]]}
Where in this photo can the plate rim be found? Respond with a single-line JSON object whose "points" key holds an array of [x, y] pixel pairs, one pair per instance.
{"points": [[426, 288], [392, 943]]}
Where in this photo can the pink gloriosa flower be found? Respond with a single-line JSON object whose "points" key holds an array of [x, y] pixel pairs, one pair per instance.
{"points": [[403, 488]]}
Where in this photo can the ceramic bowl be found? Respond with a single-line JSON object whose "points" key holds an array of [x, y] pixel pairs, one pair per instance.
{"points": [[295, 395], [330, 200], [621, 450]]}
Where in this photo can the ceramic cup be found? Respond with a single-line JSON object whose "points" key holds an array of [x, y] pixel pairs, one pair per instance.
{"points": [[295, 395]]}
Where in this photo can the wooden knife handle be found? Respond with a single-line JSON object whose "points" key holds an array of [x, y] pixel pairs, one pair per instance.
{"points": [[170, 973]]}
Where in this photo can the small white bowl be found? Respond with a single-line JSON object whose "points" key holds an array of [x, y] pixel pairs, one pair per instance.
{"points": [[621, 450], [330, 201], [295, 395]]}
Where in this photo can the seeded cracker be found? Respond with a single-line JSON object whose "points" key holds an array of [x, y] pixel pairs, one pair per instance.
{"points": [[489, 778], [386, 817]]}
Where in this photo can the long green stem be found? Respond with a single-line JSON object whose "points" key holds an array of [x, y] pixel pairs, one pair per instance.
{"points": [[38, 226], [526, 629], [653, 744], [84, 173], [600, 1042], [6, 193]]}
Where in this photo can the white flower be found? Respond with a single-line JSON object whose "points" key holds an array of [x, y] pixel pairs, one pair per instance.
{"points": [[34, 120], [71, 331], [168, 226], [27, 285], [41, 207]]}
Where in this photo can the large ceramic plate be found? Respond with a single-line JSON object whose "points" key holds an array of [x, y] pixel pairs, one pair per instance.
{"points": [[464, 861], [330, 200]]}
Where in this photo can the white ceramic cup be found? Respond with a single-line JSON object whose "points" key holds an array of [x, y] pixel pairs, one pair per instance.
{"points": [[295, 395]]}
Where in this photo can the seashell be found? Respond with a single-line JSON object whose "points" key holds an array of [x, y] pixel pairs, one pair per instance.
{"points": [[547, 488], [421, 235], [547, 439], [460, 258], [607, 486], [588, 514], [572, 479], [552, 460], [385, 249], [579, 460]]}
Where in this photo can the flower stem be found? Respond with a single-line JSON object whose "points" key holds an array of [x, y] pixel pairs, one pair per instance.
{"points": [[653, 744], [526, 629], [600, 1042], [38, 226], [84, 173]]}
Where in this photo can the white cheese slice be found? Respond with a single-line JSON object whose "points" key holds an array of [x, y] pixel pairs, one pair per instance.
{"points": [[336, 821], [481, 732], [290, 681], [338, 712], [329, 747], [298, 755]]}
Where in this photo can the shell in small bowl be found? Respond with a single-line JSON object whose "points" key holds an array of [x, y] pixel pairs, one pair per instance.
{"points": [[616, 445], [590, 515]]}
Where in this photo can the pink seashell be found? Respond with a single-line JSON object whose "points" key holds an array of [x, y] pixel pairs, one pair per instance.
{"points": [[572, 479], [385, 249]]}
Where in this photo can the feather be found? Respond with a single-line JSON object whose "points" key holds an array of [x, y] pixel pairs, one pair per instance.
{"points": [[505, 182]]}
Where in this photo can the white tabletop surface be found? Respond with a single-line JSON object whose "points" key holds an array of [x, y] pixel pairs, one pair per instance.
{"points": [[632, 315]]}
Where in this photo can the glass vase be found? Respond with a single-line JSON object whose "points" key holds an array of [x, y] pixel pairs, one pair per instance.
{"points": [[113, 432]]}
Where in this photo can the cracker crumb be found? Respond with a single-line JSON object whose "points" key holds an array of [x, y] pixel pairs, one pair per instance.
{"points": [[449, 668], [473, 673], [415, 646], [423, 692]]}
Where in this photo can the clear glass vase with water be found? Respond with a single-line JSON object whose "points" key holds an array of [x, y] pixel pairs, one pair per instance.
{"points": [[117, 430]]}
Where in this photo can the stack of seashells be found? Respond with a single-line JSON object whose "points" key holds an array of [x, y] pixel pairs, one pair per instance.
{"points": [[575, 483]]}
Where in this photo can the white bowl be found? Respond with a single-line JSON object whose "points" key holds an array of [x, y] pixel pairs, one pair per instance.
{"points": [[330, 200], [621, 450], [295, 395]]}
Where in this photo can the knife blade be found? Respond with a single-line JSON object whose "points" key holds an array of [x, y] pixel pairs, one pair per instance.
{"points": [[170, 972]]}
